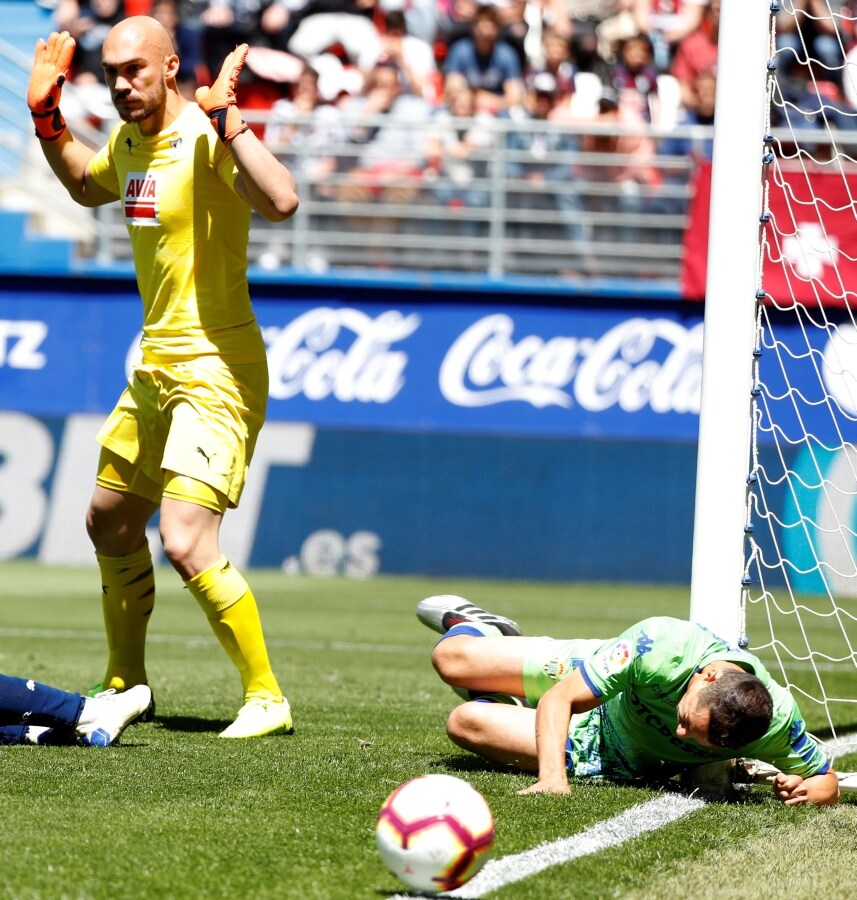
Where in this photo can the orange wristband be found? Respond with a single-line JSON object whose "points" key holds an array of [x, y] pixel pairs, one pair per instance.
{"points": [[49, 125]]}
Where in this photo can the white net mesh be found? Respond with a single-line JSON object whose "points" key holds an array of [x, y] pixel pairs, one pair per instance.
{"points": [[800, 594]]}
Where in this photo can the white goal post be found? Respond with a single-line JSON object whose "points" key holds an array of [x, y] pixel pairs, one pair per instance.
{"points": [[775, 522], [733, 264]]}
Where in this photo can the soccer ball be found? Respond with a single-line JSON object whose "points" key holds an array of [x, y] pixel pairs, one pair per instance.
{"points": [[435, 832]]}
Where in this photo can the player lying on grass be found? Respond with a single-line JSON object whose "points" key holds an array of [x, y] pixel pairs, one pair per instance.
{"points": [[33, 713], [663, 697]]}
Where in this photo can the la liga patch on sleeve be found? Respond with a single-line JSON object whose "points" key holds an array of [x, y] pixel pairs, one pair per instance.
{"points": [[615, 659]]}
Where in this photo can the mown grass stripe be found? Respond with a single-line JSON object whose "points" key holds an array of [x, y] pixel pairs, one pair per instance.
{"points": [[192, 641]]}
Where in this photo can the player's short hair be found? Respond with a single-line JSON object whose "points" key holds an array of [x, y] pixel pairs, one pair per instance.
{"points": [[740, 709]]}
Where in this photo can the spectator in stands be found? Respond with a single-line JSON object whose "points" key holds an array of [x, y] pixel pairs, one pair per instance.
{"points": [[634, 76], [456, 22], [814, 29], [167, 12], [540, 169], [541, 16], [188, 39], [226, 23], [521, 22], [587, 18], [304, 133], [422, 17], [667, 22], [691, 149], [697, 54], [88, 22], [322, 24], [487, 64], [821, 106], [390, 157], [700, 112], [556, 60], [514, 26], [849, 78], [634, 176], [413, 56], [456, 155]]}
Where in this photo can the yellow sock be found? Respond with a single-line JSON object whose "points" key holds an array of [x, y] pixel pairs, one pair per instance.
{"points": [[128, 597], [230, 606]]}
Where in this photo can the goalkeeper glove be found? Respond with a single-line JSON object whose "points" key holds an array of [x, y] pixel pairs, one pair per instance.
{"points": [[50, 64], [219, 102]]}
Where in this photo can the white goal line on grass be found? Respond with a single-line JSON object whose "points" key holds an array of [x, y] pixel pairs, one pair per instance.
{"points": [[633, 822]]}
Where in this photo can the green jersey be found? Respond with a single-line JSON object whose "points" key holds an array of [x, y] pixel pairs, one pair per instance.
{"points": [[641, 676]]}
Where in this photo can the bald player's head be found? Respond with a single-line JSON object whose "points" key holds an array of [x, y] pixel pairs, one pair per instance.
{"points": [[140, 67], [142, 32]]}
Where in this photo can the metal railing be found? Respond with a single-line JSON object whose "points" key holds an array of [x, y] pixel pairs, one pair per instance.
{"points": [[514, 213], [524, 211], [560, 211], [531, 201]]}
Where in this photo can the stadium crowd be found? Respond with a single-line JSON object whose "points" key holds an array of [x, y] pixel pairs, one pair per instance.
{"points": [[384, 83]]}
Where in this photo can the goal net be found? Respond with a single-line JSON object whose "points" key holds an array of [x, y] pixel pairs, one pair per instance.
{"points": [[798, 603], [800, 584]]}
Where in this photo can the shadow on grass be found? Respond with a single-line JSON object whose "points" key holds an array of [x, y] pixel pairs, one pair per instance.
{"points": [[402, 891], [475, 764], [742, 795], [191, 723]]}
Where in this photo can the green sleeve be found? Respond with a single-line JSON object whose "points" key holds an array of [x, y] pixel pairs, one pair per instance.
{"points": [[659, 650]]}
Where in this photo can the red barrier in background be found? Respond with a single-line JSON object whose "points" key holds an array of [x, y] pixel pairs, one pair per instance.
{"points": [[812, 239]]}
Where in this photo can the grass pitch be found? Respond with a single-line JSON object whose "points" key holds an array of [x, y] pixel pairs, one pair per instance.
{"points": [[175, 812]]}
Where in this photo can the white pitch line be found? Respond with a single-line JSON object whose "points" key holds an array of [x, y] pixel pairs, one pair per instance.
{"points": [[610, 833]]}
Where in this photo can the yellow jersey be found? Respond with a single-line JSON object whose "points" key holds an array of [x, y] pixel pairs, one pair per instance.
{"points": [[189, 233]]}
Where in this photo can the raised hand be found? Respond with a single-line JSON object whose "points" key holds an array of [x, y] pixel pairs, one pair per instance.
{"points": [[218, 102], [51, 63]]}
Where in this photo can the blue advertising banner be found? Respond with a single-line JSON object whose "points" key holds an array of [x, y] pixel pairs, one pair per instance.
{"points": [[442, 367], [356, 503], [502, 368], [488, 438]]}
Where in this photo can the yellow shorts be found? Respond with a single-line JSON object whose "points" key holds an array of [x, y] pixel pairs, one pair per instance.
{"points": [[199, 419], [118, 474]]}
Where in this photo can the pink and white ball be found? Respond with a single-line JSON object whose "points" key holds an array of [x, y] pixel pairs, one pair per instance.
{"points": [[435, 832]]}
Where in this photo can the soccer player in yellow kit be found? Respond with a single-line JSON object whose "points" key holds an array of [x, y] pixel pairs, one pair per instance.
{"points": [[183, 432]]}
